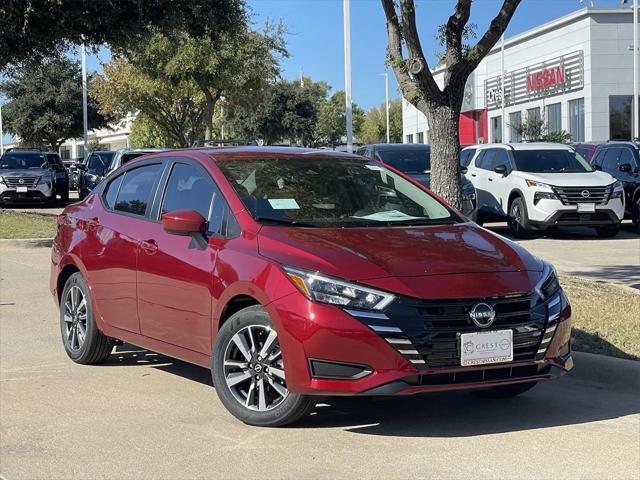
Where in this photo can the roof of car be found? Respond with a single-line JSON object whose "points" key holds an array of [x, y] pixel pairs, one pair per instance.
{"points": [[396, 146], [525, 146], [265, 153]]}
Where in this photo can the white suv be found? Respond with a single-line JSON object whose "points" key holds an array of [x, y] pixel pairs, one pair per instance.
{"points": [[541, 185]]}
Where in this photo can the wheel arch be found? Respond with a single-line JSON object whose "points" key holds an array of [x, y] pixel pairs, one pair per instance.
{"points": [[233, 305], [515, 193]]}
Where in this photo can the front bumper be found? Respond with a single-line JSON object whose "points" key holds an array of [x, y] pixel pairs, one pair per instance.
{"points": [[39, 194], [550, 212], [311, 332]]}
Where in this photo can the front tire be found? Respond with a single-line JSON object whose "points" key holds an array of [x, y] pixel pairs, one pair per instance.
{"points": [[518, 219], [608, 232], [82, 340], [635, 214], [505, 391], [249, 375]]}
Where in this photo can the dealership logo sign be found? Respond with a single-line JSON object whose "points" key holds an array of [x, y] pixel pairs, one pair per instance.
{"points": [[547, 78]]}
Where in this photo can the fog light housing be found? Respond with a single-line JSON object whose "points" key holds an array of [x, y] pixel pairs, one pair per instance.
{"points": [[338, 370]]}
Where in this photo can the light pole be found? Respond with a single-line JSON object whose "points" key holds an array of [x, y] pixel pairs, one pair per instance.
{"points": [[636, 124], [84, 100], [347, 73], [502, 132], [386, 101]]}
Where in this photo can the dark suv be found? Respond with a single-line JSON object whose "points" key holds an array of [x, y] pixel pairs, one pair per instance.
{"points": [[621, 160], [93, 171], [414, 159], [28, 175]]}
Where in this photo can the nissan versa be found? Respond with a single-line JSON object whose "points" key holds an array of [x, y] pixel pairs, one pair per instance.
{"points": [[295, 273]]}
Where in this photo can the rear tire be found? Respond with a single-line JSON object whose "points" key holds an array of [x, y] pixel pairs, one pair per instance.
{"points": [[635, 213], [608, 232], [518, 219], [245, 357], [82, 340], [505, 391]]}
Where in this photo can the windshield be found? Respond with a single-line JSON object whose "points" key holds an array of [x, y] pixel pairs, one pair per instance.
{"points": [[23, 161], [550, 161], [331, 193], [407, 160], [99, 161]]}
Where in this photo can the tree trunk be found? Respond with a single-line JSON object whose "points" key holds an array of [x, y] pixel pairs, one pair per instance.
{"points": [[445, 147]]}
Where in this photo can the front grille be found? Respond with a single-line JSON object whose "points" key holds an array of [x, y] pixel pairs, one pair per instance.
{"points": [[575, 195], [427, 332], [28, 182]]}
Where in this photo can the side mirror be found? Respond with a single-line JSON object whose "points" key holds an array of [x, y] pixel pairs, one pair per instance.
{"points": [[464, 170], [81, 166], [625, 167], [183, 222], [501, 169], [597, 167]]}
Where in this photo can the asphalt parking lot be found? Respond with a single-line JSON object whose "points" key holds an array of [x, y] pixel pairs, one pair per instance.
{"points": [[143, 415]]}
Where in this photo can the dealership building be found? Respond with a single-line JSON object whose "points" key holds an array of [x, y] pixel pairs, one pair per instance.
{"points": [[575, 73]]}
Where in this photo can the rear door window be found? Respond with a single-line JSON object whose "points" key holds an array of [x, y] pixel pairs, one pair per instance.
{"points": [[488, 159], [136, 189], [611, 159], [466, 156]]}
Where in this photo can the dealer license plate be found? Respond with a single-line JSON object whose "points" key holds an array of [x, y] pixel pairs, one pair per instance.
{"points": [[21, 189], [481, 348], [586, 207]]}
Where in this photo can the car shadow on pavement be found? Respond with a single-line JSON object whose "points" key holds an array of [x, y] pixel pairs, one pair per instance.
{"points": [[462, 414], [627, 231], [565, 401], [130, 355], [626, 274]]}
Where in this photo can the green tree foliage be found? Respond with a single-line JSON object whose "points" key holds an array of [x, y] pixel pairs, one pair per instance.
{"points": [[236, 65], [35, 28], [332, 120], [374, 127], [146, 133], [175, 107], [286, 111], [537, 130], [44, 106]]}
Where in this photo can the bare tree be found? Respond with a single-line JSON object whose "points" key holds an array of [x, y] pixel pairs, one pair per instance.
{"points": [[440, 105]]}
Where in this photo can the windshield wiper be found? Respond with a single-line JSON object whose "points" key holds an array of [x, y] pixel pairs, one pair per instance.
{"points": [[284, 221]]}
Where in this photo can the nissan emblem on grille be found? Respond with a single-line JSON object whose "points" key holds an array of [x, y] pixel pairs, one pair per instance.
{"points": [[482, 314], [585, 193], [21, 181]]}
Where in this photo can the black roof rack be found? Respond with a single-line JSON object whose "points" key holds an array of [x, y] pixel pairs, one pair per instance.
{"points": [[223, 143], [24, 149]]}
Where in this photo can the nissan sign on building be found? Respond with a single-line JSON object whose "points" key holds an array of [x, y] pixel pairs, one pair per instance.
{"points": [[575, 73]]}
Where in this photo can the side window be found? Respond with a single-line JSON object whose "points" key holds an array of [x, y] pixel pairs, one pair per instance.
{"points": [[188, 188], [611, 159], [597, 157], [111, 191], [136, 188], [466, 156], [502, 158], [487, 160], [626, 157]]}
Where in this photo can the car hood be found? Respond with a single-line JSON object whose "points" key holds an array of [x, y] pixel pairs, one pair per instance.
{"points": [[33, 172], [586, 179], [372, 253]]}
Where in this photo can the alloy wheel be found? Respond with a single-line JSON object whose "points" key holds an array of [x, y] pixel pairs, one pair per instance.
{"points": [[75, 318], [516, 214], [253, 368]]}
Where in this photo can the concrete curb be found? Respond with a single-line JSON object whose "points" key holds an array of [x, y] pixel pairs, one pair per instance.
{"points": [[602, 371], [26, 242]]}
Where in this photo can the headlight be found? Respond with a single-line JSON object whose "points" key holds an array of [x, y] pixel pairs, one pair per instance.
{"points": [[337, 292], [532, 183], [548, 284], [617, 190], [543, 196], [92, 178]]}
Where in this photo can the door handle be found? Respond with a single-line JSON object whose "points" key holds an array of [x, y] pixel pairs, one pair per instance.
{"points": [[491, 179], [149, 246], [473, 174]]}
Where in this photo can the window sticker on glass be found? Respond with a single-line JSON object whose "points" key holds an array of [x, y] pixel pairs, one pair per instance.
{"points": [[284, 204], [388, 215]]}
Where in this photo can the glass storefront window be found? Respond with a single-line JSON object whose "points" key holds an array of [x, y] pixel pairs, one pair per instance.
{"points": [[620, 120], [533, 114], [496, 129], [420, 137], [576, 119], [554, 118], [515, 120], [409, 138]]}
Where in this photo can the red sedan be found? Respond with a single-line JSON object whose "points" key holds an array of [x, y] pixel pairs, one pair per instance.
{"points": [[294, 273]]}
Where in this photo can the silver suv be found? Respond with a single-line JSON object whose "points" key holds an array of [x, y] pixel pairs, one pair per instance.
{"points": [[29, 176]]}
